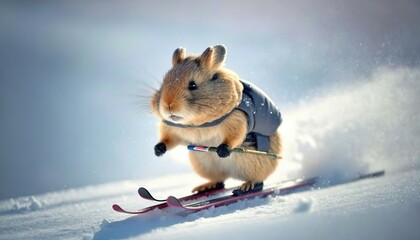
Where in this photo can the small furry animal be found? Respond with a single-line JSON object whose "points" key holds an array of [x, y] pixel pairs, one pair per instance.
{"points": [[202, 103]]}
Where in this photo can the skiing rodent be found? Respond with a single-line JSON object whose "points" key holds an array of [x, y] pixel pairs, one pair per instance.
{"points": [[201, 102]]}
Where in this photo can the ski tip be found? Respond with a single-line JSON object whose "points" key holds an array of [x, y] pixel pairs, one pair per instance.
{"points": [[173, 201], [117, 208], [144, 193]]}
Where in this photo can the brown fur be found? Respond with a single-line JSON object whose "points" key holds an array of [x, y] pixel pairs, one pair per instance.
{"points": [[212, 100]]}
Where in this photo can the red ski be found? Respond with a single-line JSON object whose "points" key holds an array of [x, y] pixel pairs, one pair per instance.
{"points": [[277, 189], [144, 193]]}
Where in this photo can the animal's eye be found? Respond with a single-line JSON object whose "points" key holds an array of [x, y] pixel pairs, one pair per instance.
{"points": [[215, 76], [192, 85]]}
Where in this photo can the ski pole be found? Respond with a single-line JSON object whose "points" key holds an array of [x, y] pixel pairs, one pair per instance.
{"points": [[237, 150]]}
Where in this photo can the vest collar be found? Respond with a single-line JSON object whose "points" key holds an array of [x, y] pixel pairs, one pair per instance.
{"points": [[204, 125]]}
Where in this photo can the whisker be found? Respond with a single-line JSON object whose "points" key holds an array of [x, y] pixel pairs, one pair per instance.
{"points": [[141, 97], [158, 81], [142, 106]]}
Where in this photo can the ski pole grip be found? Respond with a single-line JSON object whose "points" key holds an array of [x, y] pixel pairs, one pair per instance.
{"points": [[201, 148]]}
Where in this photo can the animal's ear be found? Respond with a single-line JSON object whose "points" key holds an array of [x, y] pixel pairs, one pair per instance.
{"points": [[178, 56], [213, 57], [219, 55]]}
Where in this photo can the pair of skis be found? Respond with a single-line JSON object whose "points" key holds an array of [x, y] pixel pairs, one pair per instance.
{"points": [[223, 197], [145, 194]]}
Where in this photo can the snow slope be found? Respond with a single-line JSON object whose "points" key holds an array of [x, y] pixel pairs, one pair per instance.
{"points": [[381, 208], [370, 125]]}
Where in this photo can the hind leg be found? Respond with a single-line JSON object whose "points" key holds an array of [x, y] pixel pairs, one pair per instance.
{"points": [[248, 187], [208, 187], [254, 169], [207, 166]]}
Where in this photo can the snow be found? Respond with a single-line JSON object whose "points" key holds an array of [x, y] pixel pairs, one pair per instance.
{"points": [[383, 208], [304, 205], [26, 204]]}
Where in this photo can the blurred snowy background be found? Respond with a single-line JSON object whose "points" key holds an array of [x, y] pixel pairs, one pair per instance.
{"points": [[344, 73]]}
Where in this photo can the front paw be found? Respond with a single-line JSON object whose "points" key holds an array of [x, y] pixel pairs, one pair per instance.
{"points": [[160, 149], [223, 150]]}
